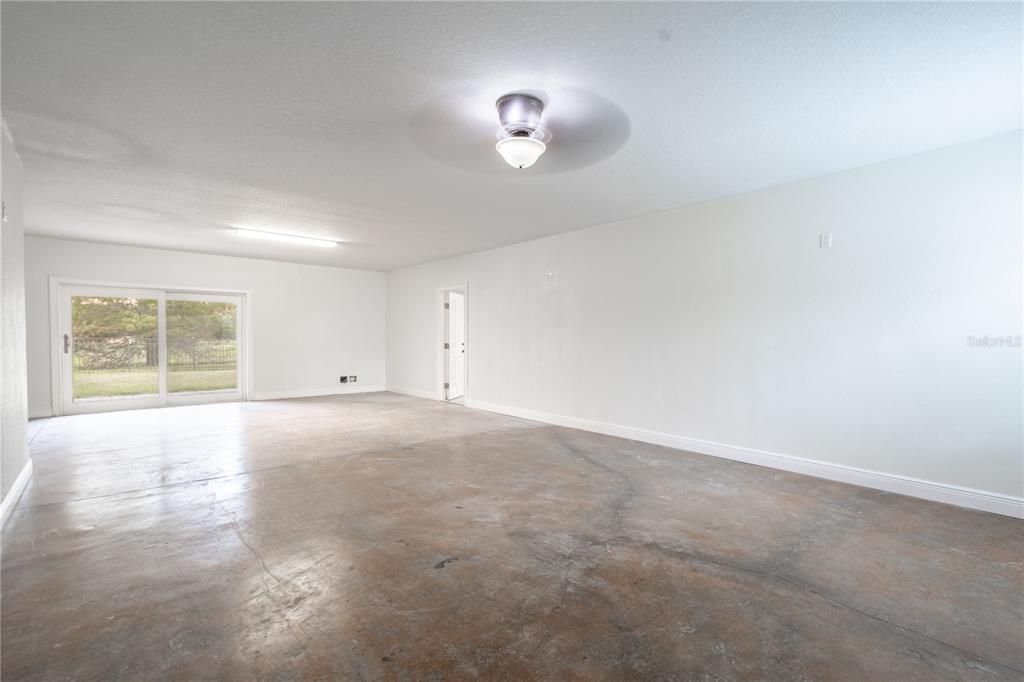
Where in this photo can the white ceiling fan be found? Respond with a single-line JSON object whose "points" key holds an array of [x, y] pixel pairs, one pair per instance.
{"points": [[524, 139], [570, 127]]}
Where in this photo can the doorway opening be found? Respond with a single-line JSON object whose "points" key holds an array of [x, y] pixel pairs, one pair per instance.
{"points": [[120, 348], [454, 350]]}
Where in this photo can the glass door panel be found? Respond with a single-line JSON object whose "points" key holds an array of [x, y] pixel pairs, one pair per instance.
{"points": [[110, 349], [202, 345], [116, 350]]}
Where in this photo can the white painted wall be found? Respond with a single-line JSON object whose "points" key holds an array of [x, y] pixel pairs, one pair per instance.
{"points": [[13, 412], [310, 324], [724, 321]]}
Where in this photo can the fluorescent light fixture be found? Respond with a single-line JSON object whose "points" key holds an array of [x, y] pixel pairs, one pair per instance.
{"points": [[280, 237]]}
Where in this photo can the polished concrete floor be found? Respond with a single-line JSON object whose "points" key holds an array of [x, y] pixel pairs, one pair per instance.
{"points": [[383, 537]]}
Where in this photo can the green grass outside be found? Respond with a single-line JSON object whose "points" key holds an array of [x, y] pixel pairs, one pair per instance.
{"points": [[114, 384]]}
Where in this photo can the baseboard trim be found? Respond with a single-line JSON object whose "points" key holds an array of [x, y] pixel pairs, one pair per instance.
{"points": [[315, 392], [981, 500], [414, 392], [10, 501]]}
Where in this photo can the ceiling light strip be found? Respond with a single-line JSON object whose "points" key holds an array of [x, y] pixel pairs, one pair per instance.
{"points": [[281, 237]]}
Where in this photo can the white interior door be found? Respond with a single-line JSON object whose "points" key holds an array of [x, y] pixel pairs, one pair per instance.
{"points": [[456, 345], [123, 348]]}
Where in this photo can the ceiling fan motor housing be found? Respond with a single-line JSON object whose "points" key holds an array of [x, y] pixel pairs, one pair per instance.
{"points": [[519, 113]]}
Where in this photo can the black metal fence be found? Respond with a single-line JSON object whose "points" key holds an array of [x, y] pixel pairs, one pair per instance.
{"points": [[141, 354]]}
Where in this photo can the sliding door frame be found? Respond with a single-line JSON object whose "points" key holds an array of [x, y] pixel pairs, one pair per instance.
{"points": [[159, 292]]}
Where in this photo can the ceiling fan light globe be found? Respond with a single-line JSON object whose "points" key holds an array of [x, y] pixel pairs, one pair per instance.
{"points": [[520, 152]]}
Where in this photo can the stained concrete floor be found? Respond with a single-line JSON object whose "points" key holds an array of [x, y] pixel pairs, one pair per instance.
{"points": [[382, 537]]}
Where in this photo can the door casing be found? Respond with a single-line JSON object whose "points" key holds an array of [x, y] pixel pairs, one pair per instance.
{"points": [[442, 335], [455, 368]]}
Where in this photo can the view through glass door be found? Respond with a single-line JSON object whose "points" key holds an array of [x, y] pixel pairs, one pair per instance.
{"points": [[134, 348], [202, 343]]}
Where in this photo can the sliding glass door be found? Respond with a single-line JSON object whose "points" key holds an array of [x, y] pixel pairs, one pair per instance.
{"points": [[133, 348]]}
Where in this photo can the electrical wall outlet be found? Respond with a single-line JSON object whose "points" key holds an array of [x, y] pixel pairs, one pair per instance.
{"points": [[352, 379], [343, 380]]}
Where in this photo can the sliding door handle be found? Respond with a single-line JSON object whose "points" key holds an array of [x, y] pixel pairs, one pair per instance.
{"points": [[67, 343]]}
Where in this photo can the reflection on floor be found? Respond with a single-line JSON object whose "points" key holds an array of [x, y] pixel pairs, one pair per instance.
{"points": [[380, 536]]}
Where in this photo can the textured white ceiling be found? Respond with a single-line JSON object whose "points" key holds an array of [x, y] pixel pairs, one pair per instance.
{"points": [[163, 124]]}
